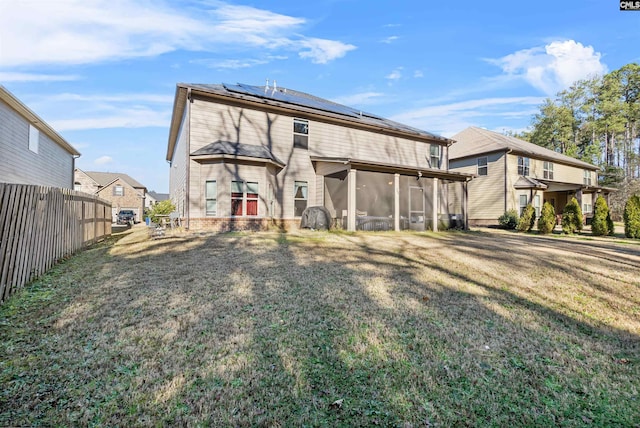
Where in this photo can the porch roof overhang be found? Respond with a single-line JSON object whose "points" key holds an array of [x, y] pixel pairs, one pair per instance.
{"points": [[556, 186], [395, 168], [237, 152], [529, 183]]}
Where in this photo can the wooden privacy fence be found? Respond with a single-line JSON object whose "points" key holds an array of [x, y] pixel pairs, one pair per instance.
{"points": [[41, 225]]}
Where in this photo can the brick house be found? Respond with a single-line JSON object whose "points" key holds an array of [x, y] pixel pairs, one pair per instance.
{"points": [[124, 192]]}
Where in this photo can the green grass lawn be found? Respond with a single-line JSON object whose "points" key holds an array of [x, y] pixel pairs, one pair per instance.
{"points": [[328, 329]]}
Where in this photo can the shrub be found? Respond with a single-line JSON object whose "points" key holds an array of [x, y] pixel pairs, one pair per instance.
{"points": [[547, 220], [632, 217], [163, 207], [509, 220], [527, 219], [610, 226], [601, 224], [572, 217]]}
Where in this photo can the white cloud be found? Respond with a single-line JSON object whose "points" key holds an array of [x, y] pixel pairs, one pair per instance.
{"points": [[103, 160], [418, 74], [321, 51], [553, 67], [362, 98], [389, 39], [35, 77], [237, 63], [78, 31], [395, 74], [448, 119], [140, 117]]}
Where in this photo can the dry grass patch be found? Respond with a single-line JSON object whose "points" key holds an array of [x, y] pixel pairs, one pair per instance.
{"points": [[273, 330]]}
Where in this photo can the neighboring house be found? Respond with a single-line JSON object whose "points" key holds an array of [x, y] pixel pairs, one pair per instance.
{"points": [[121, 190], [31, 151], [246, 157], [153, 198], [512, 173]]}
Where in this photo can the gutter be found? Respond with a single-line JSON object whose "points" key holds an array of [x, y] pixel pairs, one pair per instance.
{"points": [[188, 159]]}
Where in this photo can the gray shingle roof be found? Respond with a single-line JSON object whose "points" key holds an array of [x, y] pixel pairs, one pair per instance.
{"points": [[104, 178], [475, 141], [159, 196], [237, 149]]}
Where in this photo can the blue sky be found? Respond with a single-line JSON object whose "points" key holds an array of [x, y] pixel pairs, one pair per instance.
{"points": [[103, 73]]}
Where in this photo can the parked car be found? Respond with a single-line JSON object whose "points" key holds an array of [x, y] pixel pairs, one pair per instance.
{"points": [[126, 217]]}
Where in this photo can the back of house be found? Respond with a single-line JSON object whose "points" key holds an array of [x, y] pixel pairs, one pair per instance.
{"points": [[512, 173], [247, 157]]}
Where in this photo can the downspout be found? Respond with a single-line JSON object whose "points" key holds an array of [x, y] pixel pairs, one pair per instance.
{"points": [[188, 148], [506, 177]]}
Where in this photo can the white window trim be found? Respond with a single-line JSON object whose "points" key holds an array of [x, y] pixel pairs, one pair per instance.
{"points": [[207, 199], [34, 138], [306, 199], [306, 135], [245, 198], [485, 166]]}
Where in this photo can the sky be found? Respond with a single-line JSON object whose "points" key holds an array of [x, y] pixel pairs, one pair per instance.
{"points": [[104, 73]]}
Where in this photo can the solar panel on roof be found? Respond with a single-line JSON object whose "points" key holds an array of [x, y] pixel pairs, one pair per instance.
{"points": [[292, 97]]}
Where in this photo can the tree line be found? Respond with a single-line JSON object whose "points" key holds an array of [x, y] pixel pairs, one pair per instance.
{"points": [[596, 120]]}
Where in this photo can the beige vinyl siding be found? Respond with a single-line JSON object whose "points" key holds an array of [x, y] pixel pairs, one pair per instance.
{"points": [[224, 174], [212, 122], [486, 193], [51, 166], [561, 173], [178, 169]]}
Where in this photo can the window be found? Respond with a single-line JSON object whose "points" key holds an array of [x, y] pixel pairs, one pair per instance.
{"points": [[34, 138], [523, 166], [523, 203], [548, 170], [244, 198], [118, 190], [587, 178], [434, 151], [536, 204], [77, 186], [586, 208], [211, 197], [482, 166], [301, 133], [300, 191]]}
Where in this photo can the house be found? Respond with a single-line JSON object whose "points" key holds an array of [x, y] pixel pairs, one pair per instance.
{"points": [[512, 173], [31, 151], [153, 198], [121, 190], [247, 157]]}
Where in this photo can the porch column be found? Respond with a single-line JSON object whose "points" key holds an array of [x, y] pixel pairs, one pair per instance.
{"points": [[579, 197], [351, 200], [465, 199], [434, 213], [396, 202]]}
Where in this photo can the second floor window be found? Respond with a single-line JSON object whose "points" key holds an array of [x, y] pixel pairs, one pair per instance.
{"points": [[301, 133], [118, 190], [523, 166], [434, 156], [548, 170], [482, 166], [244, 198], [587, 178]]}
